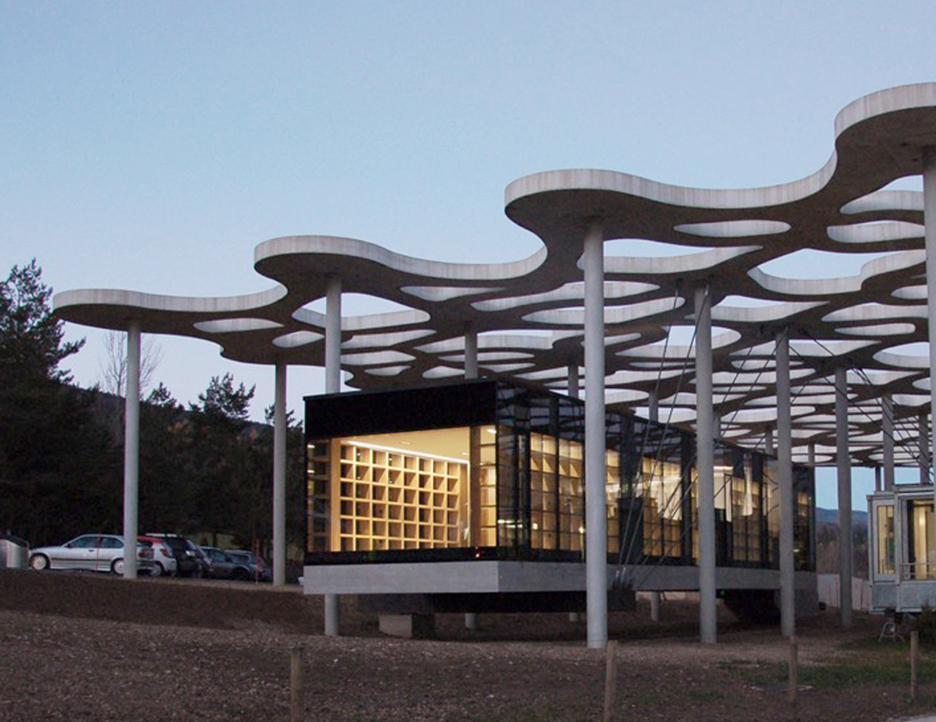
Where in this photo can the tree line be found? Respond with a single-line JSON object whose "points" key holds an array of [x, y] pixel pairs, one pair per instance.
{"points": [[205, 468]]}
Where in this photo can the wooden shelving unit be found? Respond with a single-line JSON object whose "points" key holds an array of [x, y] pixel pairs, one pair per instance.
{"points": [[383, 498]]}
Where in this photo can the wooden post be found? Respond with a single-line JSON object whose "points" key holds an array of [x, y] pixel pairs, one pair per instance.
{"points": [[914, 663], [794, 671], [610, 679], [296, 697]]}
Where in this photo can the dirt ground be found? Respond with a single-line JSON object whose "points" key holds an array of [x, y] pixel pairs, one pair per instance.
{"points": [[92, 647]]}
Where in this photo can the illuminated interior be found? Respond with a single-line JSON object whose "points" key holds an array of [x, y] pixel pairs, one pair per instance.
{"points": [[510, 483]]}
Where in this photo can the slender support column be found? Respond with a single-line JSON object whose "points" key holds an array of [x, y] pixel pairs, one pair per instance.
{"points": [[811, 454], [785, 462], [878, 484], [844, 495], [929, 221], [574, 617], [574, 380], [887, 446], [471, 372], [924, 441], [653, 412], [705, 454], [333, 336], [471, 352], [131, 451], [279, 476], [769, 447], [332, 386], [596, 515]]}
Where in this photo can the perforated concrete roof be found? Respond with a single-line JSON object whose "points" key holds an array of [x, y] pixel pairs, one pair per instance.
{"points": [[529, 313]]}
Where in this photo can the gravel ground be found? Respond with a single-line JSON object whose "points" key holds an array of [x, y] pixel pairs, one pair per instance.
{"points": [[91, 647]]}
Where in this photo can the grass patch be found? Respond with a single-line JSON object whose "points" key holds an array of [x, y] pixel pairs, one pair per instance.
{"points": [[867, 663]]}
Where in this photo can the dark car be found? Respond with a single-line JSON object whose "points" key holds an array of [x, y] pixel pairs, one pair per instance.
{"points": [[258, 569], [188, 562], [224, 566]]}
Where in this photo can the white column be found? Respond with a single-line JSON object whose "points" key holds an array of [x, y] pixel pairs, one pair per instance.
{"points": [[929, 222], [705, 456], [887, 447], [471, 372], [596, 515], [332, 386], [844, 495], [653, 412], [131, 451], [653, 406], [574, 379], [471, 352], [333, 336], [573, 389], [785, 462], [279, 476], [924, 441]]}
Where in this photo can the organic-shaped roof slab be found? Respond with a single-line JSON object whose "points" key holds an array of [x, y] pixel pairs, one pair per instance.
{"points": [[529, 313]]}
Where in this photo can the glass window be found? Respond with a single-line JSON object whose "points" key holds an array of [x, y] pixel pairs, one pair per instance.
{"points": [[921, 538], [84, 542], [886, 559]]}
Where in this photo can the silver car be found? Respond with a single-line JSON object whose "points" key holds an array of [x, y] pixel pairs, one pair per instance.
{"points": [[94, 552]]}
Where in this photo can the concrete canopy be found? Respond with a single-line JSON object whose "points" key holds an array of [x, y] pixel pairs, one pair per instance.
{"points": [[529, 314]]}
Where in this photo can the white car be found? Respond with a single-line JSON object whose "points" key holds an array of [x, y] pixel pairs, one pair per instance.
{"points": [[94, 552]]}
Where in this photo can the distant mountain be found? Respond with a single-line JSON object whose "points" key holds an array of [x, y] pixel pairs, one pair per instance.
{"points": [[827, 542], [830, 516]]}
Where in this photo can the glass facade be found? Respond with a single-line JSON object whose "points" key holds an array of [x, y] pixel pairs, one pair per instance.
{"points": [[490, 469], [921, 539]]}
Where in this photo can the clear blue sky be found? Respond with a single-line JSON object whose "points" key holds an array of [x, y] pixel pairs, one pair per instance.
{"points": [[151, 146]]}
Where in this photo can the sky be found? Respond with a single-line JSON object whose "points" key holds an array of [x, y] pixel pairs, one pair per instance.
{"points": [[152, 146]]}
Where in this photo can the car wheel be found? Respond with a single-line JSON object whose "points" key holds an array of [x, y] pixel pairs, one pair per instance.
{"points": [[240, 575], [117, 567], [40, 562], [157, 570]]}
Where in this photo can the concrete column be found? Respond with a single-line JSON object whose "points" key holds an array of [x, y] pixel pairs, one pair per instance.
{"points": [[279, 476], [132, 451], [332, 386], [929, 221], [471, 352], [924, 441], [844, 495], [653, 412], [573, 390], [887, 446], [653, 406], [574, 379], [705, 455], [769, 447], [878, 484], [333, 336], [471, 372], [785, 462], [596, 515]]}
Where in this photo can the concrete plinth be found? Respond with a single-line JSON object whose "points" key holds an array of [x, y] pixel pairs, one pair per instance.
{"points": [[408, 626]]}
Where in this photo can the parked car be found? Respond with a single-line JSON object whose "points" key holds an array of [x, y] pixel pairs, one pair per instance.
{"points": [[188, 561], [204, 563], [94, 552], [164, 561], [257, 567], [224, 566]]}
